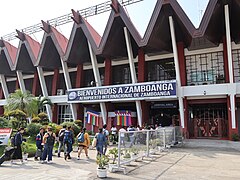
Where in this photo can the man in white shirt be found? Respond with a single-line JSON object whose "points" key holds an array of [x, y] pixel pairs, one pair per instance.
{"points": [[114, 134], [122, 135]]}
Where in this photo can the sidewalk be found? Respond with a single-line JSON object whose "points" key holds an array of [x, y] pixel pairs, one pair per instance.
{"points": [[195, 162]]}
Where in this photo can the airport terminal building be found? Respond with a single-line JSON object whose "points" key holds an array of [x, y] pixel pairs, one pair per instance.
{"points": [[174, 75]]}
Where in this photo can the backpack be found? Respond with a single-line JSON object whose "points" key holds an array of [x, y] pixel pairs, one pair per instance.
{"points": [[50, 140], [61, 135], [81, 138], [67, 137], [13, 140]]}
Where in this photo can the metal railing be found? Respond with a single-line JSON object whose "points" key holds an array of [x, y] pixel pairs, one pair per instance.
{"points": [[139, 144], [64, 19]]}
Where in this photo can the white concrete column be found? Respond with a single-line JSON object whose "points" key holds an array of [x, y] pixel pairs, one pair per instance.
{"points": [[97, 80], [44, 90], [233, 110], [229, 44], [69, 86], [4, 86], [133, 73], [21, 81], [230, 64], [177, 69]]}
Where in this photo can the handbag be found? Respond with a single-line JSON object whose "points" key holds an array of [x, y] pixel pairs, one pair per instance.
{"points": [[94, 142]]}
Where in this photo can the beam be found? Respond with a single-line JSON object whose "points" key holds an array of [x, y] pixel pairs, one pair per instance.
{"points": [[133, 73], [21, 81], [44, 90], [177, 69], [230, 64], [4, 86], [97, 80], [69, 86]]}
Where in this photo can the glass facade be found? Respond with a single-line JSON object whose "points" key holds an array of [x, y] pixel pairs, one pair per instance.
{"points": [[161, 70], [236, 64], [122, 74], [206, 68], [64, 113]]}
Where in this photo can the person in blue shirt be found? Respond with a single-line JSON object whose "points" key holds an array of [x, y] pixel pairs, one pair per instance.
{"points": [[39, 139], [68, 141], [101, 142]]}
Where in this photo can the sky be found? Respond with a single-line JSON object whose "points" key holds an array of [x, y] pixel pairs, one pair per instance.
{"points": [[21, 14]]}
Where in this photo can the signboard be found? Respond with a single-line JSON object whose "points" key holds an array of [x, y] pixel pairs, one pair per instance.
{"points": [[138, 91], [5, 135]]}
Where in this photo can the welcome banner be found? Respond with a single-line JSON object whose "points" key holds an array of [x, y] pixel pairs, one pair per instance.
{"points": [[138, 91], [5, 135]]}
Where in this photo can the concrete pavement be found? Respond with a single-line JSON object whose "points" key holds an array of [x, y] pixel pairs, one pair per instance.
{"points": [[204, 160]]}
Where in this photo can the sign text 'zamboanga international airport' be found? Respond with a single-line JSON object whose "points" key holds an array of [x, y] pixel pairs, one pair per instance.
{"points": [[138, 91]]}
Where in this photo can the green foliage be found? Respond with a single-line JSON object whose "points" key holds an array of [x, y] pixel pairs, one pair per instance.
{"points": [[54, 126], [35, 120], [102, 161], [114, 153], [2, 149], [33, 129], [78, 122], [20, 116], [127, 154], [4, 122], [58, 128], [134, 150], [23, 101], [235, 137], [14, 123], [41, 102], [42, 115], [25, 147], [90, 132], [76, 128]]}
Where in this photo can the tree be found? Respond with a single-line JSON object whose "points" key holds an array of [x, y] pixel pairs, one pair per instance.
{"points": [[23, 101], [41, 102]]}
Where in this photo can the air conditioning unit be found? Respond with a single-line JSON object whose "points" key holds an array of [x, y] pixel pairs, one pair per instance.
{"points": [[60, 92]]}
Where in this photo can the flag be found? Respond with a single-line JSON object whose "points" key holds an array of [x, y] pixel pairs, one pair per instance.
{"points": [[93, 117], [123, 118]]}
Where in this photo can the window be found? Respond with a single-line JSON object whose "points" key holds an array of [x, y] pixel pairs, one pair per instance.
{"points": [[161, 70], [236, 65], [64, 113], [122, 74], [205, 68]]}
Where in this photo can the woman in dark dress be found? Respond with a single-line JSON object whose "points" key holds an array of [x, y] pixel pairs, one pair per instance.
{"points": [[18, 139]]}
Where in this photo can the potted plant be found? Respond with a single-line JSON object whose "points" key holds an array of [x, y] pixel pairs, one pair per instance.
{"points": [[102, 161], [25, 150], [114, 154], [134, 152]]}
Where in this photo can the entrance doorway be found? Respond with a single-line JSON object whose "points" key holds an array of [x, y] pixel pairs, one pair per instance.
{"points": [[208, 121], [164, 114]]}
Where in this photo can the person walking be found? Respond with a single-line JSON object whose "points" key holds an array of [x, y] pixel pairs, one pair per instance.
{"points": [[39, 139], [18, 140], [60, 140], [114, 134], [106, 133], [83, 143], [48, 142], [101, 141], [122, 136], [131, 135], [68, 141]]}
